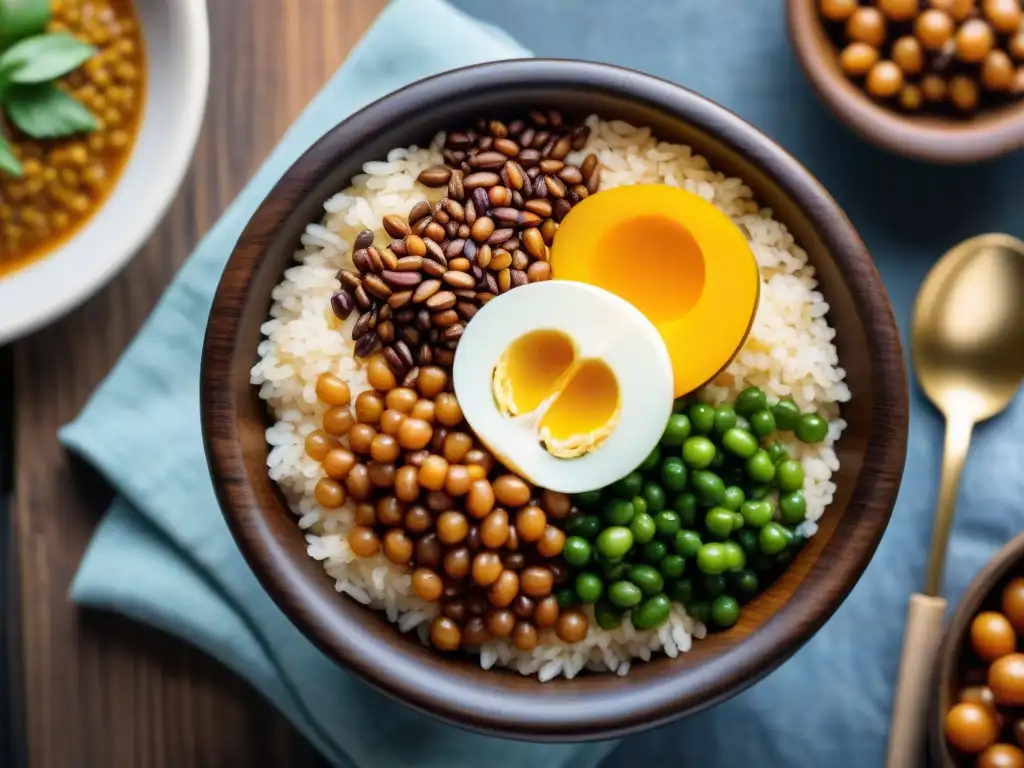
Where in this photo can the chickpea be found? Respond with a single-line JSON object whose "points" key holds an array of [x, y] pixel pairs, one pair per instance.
{"points": [[379, 375], [447, 410], [363, 541], [476, 472], [486, 568], [428, 552], [457, 563], [452, 527], [360, 438], [414, 434], [418, 519], [500, 623], [369, 407], [432, 381], [898, 10], [963, 92], [524, 636], [970, 727], [458, 480], [388, 511], [997, 71], [385, 449], [338, 463], [391, 421], [546, 612], [884, 80], [445, 634], [424, 409], [317, 444], [511, 490], [433, 472], [910, 97], [992, 636], [974, 40], [1006, 679], [1016, 46], [1001, 756], [537, 581], [456, 446], [551, 542], [381, 475], [494, 529], [475, 633], [329, 493], [837, 10], [1004, 15], [437, 440], [407, 485], [530, 523], [358, 482], [504, 590], [571, 626], [398, 547], [332, 390], [933, 88], [426, 584], [480, 499], [401, 399], [934, 28], [1013, 603], [908, 55], [557, 505], [857, 58], [866, 25], [523, 606], [481, 459], [365, 514]]}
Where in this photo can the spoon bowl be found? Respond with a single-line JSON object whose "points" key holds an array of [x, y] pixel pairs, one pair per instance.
{"points": [[968, 332]]}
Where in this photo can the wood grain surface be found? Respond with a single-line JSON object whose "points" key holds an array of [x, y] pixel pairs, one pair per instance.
{"points": [[98, 690]]}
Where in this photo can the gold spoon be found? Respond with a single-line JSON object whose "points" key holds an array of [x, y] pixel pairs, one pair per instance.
{"points": [[968, 351]]}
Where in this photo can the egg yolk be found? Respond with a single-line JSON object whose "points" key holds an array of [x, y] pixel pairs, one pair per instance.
{"points": [[533, 365], [652, 262], [574, 402], [586, 405]]}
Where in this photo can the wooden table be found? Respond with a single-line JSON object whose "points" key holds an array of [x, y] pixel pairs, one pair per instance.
{"points": [[97, 691]]}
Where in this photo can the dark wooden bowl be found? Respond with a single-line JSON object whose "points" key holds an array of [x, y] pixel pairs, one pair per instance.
{"points": [[592, 706], [989, 134], [982, 594]]}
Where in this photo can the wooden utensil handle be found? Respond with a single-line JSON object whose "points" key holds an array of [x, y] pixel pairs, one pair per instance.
{"points": [[921, 640]]}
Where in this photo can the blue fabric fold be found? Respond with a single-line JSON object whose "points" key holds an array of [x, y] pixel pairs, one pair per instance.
{"points": [[163, 554]]}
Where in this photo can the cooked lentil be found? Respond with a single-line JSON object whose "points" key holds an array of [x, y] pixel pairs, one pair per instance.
{"points": [[64, 181]]}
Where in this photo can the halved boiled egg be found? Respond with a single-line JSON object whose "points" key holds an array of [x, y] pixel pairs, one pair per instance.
{"points": [[567, 384]]}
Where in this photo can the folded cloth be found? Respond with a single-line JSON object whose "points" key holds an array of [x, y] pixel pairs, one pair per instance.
{"points": [[163, 554]]}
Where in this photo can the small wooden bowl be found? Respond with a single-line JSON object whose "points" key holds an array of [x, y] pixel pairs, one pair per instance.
{"points": [[983, 593], [950, 141], [456, 689]]}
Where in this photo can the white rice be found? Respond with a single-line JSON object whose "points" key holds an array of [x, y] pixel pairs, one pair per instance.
{"points": [[789, 353]]}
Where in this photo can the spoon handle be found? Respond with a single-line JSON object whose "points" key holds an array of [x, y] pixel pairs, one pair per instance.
{"points": [[923, 632], [921, 640]]}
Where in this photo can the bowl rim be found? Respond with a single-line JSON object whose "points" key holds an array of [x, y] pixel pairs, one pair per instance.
{"points": [[1005, 559], [62, 298], [930, 139], [775, 640]]}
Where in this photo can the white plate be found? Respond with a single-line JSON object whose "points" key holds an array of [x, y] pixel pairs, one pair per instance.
{"points": [[178, 63]]}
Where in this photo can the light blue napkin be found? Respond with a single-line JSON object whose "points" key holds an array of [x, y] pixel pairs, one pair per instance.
{"points": [[163, 554]]}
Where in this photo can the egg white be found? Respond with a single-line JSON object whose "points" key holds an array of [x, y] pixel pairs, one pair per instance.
{"points": [[602, 325]]}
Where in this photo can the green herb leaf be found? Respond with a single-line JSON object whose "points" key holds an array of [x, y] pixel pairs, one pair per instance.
{"points": [[45, 112], [43, 58], [21, 18], [8, 162]]}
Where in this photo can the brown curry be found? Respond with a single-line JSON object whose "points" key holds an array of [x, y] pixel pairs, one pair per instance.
{"points": [[64, 181]]}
